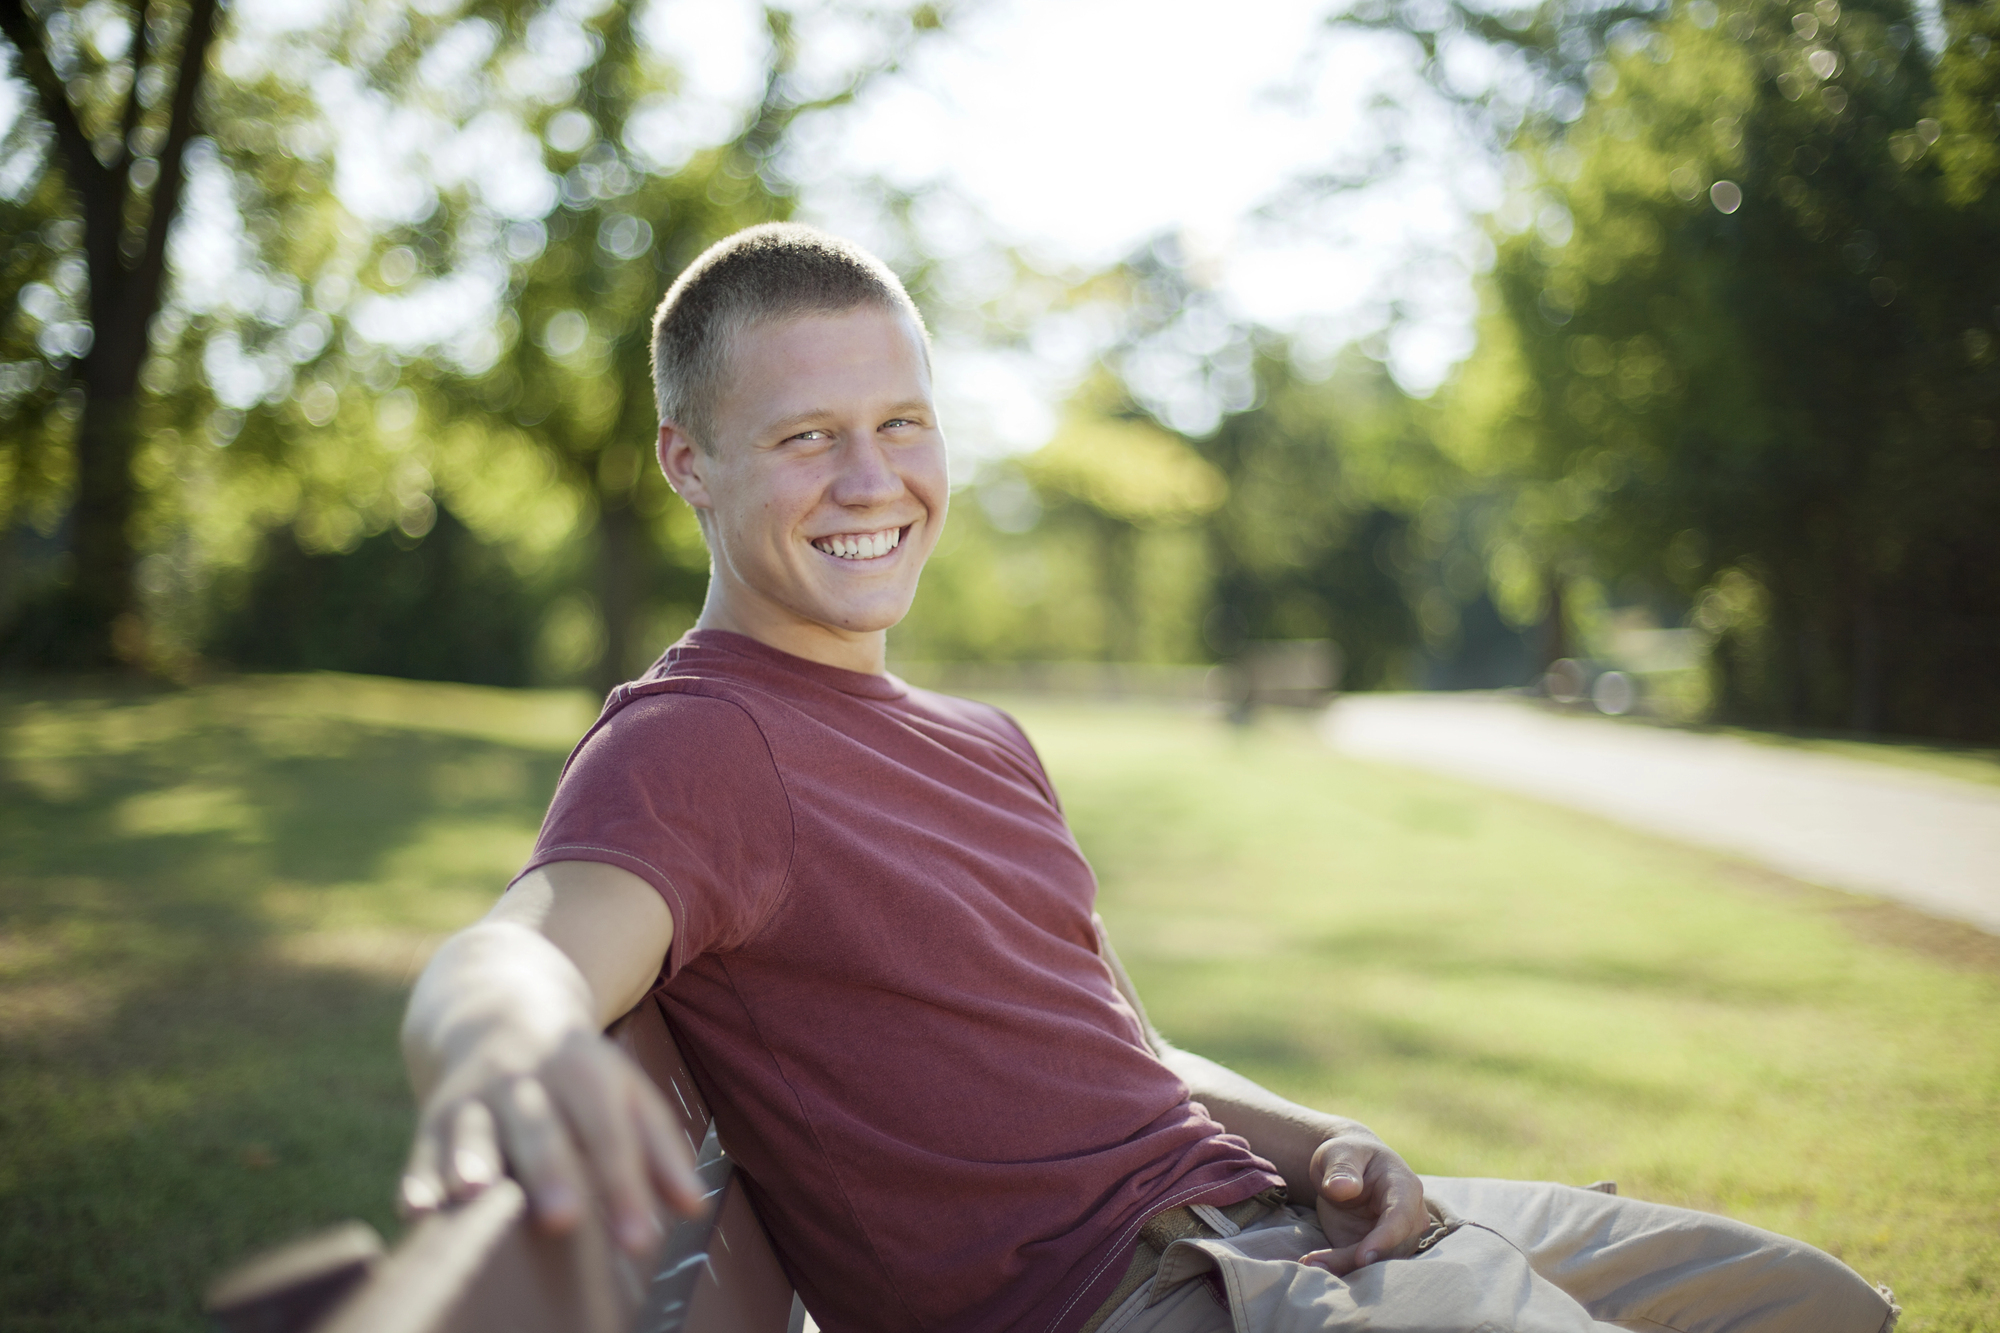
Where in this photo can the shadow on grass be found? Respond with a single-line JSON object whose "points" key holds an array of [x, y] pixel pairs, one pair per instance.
{"points": [[210, 1113], [182, 1078], [1405, 1051]]}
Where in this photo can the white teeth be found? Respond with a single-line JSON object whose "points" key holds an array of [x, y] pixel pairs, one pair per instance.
{"points": [[862, 546]]}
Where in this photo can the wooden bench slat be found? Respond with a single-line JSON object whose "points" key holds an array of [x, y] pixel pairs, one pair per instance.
{"points": [[295, 1286]]}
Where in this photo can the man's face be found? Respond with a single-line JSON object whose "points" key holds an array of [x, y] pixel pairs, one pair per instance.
{"points": [[824, 489]]}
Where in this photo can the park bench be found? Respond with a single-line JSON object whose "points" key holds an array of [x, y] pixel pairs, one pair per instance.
{"points": [[484, 1267]]}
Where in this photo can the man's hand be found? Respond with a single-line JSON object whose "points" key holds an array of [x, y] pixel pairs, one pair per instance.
{"points": [[1371, 1205], [576, 1119], [513, 1074]]}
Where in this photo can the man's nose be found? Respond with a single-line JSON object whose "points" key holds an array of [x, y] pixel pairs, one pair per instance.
{"points": [[866, 475]]}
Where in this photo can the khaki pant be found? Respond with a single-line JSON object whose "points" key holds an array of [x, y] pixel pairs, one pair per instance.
{"points": [[1520, 1258]]}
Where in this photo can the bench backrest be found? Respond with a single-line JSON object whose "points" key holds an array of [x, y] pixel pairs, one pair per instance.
{"points": [[484, 1267]]}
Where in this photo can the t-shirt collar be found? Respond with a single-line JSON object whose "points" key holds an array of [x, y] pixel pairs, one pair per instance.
{"points": [[865, 684]]}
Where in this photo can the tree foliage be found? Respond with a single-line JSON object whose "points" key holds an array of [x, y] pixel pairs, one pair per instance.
{"points": [[1324, 533], [1739, 356], [154, 340], [1967, 104], [117, 90], [429, 241]]}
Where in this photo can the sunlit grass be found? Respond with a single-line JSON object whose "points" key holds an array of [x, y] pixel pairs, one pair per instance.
{"points": [[212, 901], [1503, 988]]}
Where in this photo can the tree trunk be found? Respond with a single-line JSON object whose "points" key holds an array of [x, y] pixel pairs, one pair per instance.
{"points": [[1793, 642], [106, 629], [1866, 714], [1554, 635], [620, 562], [96, 619]]}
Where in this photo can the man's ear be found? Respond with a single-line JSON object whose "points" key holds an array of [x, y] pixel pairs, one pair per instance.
{"points": [[682, 460]]}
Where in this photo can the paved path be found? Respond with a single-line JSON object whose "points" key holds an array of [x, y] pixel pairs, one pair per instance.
{"points": [[1930, 841]]}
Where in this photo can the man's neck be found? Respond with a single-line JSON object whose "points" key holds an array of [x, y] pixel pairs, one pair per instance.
{"points": [[774, 627]]}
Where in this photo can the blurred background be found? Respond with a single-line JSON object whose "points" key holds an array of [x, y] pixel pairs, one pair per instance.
{"points": [[1642, 357], [1469, 340]]}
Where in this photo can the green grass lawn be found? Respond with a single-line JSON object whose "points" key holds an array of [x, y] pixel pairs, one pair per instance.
{"points": [[212, 902]]}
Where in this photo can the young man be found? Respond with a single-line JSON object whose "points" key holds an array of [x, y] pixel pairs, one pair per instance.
{"points": [[874, 936]]}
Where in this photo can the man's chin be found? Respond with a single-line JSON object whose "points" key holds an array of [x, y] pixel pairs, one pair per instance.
{"points": [[876, 624], [868, 619]]}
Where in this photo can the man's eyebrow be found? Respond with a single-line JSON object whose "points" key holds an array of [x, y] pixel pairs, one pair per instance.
{"points": [[787, 426], [797, 421]]}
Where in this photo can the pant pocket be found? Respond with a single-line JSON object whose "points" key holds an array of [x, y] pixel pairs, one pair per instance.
{"points": [[1443, 1222]]}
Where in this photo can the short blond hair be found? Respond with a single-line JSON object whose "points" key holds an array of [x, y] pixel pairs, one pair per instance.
{"points": [[778, 270]]}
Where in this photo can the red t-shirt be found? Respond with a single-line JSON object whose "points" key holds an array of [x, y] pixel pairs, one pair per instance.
{"points": [[885, 980]]}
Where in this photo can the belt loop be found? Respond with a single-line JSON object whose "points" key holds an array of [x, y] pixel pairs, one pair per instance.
{"points": [[1221, 1223]]}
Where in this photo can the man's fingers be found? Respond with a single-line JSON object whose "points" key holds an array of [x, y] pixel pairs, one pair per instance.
{"points": [[1339, 1262], [471, 1157], [597, 1103], [1400, 1223], [668, 1157], [1342, 1170], [586, 1123], [1364, 1185], [421, 1189], [538, 1150]]}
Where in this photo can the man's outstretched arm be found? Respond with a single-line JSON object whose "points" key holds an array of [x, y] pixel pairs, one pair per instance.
{"points": [[505, 1047], [1371, 1205]]}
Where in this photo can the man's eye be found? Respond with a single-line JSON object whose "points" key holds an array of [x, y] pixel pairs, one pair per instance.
{"points": [[897, 421], [810, 435]]}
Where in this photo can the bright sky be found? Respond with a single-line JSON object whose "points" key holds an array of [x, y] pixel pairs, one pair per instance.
{"points": [[1082, 128]]}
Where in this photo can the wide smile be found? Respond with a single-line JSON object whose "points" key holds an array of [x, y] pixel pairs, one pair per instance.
{"points": [[861, 547]]}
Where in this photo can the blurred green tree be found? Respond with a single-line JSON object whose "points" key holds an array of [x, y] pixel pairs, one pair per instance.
{"points": [[392, 607], [1967, 105], [114, 351], [1740, 346], [1087, 548], [1318, 527], [1118, 475], [118, 89], [1321, 536], [1200, 491], [429, 242]]}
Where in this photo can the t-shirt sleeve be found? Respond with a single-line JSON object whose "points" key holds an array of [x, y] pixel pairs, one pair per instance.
{"points": [[681, 790], [1017, 737]]}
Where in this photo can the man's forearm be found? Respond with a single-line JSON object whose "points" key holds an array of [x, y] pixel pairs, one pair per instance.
{"points": [[1280, 1131], [497, 976]]}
